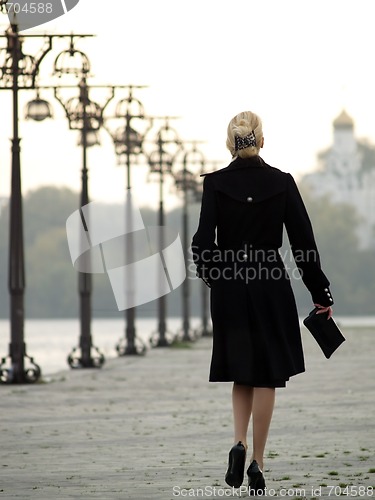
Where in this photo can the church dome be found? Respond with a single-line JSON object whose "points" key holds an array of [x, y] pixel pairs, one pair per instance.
{"points": [[343, 120]]}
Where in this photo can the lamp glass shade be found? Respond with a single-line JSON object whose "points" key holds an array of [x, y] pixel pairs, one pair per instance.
{"points": [[38, 110], [92, 139]]}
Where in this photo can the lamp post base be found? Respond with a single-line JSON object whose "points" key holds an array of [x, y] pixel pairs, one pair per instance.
{"points": [[126, 348], [164, 340], [187, 335], [9, 374], [203, 331], [77, 360]]}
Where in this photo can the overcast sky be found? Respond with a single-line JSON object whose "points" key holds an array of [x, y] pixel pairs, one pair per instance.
{"points": [[296, 63]]}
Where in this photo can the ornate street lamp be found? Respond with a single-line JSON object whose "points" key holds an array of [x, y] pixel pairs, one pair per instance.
{"points": [[186, 181], [86, 116], [128, 142], [19, 71], [161, 162]]}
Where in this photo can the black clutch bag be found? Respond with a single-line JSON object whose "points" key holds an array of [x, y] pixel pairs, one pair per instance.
{"points": [[325, 332]]}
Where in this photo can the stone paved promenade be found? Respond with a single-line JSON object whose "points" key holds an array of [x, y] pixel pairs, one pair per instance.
{"points": [[153, 428]]}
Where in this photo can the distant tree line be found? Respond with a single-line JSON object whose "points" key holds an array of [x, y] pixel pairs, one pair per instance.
{"points": [[52, 283]]}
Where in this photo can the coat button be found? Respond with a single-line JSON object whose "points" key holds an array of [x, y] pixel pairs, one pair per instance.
{"points": [[331, 300], [326, 289], [249, 198]]}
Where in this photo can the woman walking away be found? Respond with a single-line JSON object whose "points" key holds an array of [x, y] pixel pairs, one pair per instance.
{"points": [[256, 335]]}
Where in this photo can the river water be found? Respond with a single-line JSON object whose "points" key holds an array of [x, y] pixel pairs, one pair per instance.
{"points": [[49, 342]]}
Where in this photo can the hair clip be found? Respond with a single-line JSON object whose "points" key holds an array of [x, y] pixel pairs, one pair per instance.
{"points": [[245, 142]]}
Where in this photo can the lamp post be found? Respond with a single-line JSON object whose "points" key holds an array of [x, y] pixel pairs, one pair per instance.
{"points": [[18, 71], [128, 144], [86, 116], [161, 161], [187, 182]]}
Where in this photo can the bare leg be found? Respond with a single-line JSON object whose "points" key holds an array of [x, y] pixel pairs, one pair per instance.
{"points": [[242, 401], [263, 404]]}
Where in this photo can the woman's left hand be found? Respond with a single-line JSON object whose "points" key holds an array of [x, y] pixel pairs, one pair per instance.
{"points": [[323, 309]]}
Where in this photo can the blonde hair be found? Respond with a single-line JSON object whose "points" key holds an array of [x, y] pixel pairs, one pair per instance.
{"points": [[241, 125]]}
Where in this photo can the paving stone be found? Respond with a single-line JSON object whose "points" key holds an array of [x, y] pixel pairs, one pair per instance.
{"points": [[154, 428]]}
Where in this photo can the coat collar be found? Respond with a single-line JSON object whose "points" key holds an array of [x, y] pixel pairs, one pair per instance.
{"points": [[238, 163]]}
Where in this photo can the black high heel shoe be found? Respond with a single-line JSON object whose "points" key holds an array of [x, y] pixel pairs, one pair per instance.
{"points": [[236, 465], [257, 484]]}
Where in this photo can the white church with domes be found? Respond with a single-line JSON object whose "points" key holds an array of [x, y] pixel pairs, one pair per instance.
{"points": [[347, 174]]}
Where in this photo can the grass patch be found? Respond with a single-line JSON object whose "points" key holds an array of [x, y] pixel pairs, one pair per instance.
{"points": [[181, 344], [42, 381]]}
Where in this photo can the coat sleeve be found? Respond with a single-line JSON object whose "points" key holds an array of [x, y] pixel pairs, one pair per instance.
{"points": [[204, 240], [303, 245]]}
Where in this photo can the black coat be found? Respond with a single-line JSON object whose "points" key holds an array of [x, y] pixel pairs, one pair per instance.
{"points": [[257, 339]]}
